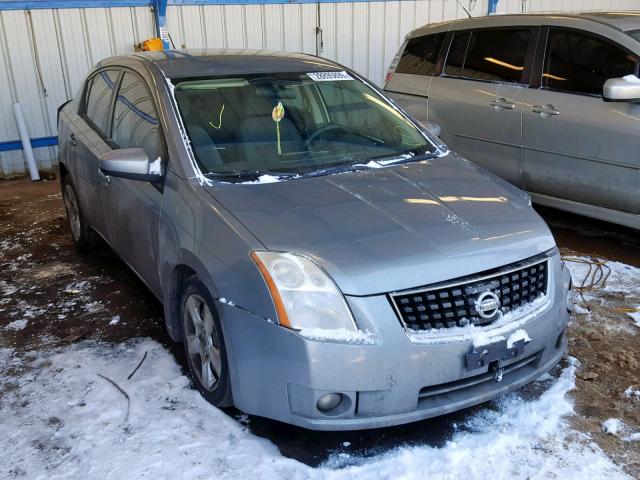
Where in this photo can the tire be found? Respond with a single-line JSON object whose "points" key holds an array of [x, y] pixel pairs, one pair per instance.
{"points": [[83, 236], [204, 344]]}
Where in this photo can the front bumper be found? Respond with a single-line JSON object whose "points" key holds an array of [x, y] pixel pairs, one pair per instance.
{"points": [[278, 374]]}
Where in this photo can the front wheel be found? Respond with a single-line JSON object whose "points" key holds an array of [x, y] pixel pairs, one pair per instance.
{"points": [[204, 344]]}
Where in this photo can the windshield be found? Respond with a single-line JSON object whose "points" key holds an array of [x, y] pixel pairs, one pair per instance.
{"points": [[635, 34], [291, 124]]}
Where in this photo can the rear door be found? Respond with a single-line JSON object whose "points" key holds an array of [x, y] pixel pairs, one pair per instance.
{"points": [[576, 146], [478, 99], [408, 79], [88, 139], [133, 206]]}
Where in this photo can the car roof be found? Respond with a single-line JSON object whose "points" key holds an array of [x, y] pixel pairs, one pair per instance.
{"points": [[624, 21], [200, 63]]}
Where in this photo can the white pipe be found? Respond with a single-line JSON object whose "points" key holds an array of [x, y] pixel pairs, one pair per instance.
{"points": [[26, 142]]}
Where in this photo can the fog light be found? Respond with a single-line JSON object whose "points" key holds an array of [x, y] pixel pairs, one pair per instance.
{"points": [[329, 401]]}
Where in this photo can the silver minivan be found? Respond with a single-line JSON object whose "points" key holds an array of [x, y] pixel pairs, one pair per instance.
{"points": [[548, 102]]}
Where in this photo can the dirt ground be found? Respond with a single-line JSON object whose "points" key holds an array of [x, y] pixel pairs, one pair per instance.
{"points": [[66, 297]]}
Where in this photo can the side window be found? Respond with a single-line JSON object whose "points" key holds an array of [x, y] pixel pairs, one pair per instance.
{"points": [[99, 94], [421, 55], [457, 51], [135, 122], [497, 55], [581, 63]]}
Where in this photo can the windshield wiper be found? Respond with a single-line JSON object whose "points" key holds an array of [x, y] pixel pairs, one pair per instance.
{"points": [[341, 168], [404, 157], [249, 175]]}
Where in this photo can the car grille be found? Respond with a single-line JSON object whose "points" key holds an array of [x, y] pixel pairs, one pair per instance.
{"points": [[453, 303]]}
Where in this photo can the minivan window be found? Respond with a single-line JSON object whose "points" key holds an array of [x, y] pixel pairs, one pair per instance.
{"points": [[291, 123], [135, 122], [457, 51], [497, 55], [420, 56], [581, 63], [98, 99]]}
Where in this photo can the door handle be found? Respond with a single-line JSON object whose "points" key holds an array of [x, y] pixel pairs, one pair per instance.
{"points": [[72, 140], [503, 104], [545, 111]]}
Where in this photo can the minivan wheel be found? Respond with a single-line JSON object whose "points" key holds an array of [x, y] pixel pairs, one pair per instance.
{"points": [[83, 236], [204, 344]]}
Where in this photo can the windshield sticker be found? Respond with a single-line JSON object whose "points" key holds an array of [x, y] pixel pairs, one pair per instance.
{"points": [[329, 76], [278, 114]]}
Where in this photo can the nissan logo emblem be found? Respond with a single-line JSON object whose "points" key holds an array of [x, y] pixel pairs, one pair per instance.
{"points": [[487, 304]]}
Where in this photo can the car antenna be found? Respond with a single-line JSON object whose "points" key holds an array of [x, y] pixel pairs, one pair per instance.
{"points": [[465, 10]]}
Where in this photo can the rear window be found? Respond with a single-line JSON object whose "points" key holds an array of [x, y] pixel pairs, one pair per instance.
{"points": [[497, 55], [421, 55]]}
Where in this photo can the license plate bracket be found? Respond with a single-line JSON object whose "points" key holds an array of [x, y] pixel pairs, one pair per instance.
{"points": [[480, 357]]}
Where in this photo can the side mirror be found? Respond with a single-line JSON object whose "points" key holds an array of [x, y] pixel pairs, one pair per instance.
{"points": [[131, 163], [625, 89]]}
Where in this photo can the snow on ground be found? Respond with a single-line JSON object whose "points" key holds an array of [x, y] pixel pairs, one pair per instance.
{"points": [[63, 418], [623, 277], [617, 277], [635, 316]]}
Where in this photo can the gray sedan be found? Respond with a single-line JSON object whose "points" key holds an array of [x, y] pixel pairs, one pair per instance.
{"points": [[325, 260]]}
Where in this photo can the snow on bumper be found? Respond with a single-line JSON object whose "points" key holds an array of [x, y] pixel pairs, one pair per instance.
{"points": [[393, 380]]}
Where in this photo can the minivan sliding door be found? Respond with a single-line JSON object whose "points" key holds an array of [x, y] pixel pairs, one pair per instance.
{"points": [[478, 98]]}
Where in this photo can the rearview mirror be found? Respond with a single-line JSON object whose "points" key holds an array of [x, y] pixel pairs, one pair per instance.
{"points": [[625, 89], [132, 163]]}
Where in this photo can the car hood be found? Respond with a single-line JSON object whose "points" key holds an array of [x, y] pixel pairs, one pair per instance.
{"points": [[393, 228]]}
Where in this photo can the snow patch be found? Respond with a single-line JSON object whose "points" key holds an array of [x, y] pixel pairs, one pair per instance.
{"points": [[155, 167], [17, 325], [338, 335], [612, 426], [631, 392], [631, 79], [115, 320], [264, 179], [516, 336], [635, 316], [495, 332]]}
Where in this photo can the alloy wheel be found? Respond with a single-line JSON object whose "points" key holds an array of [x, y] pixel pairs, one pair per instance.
{"points": [[202, 341]]}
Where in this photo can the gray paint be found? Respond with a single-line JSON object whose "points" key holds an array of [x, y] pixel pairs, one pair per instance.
{"points": [[373, 231]]}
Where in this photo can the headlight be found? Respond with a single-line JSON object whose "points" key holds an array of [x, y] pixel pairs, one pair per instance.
{"points": [[304, 295]]}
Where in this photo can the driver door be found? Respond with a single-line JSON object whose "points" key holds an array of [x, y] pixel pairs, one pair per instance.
{"points": [[132, 210]]}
